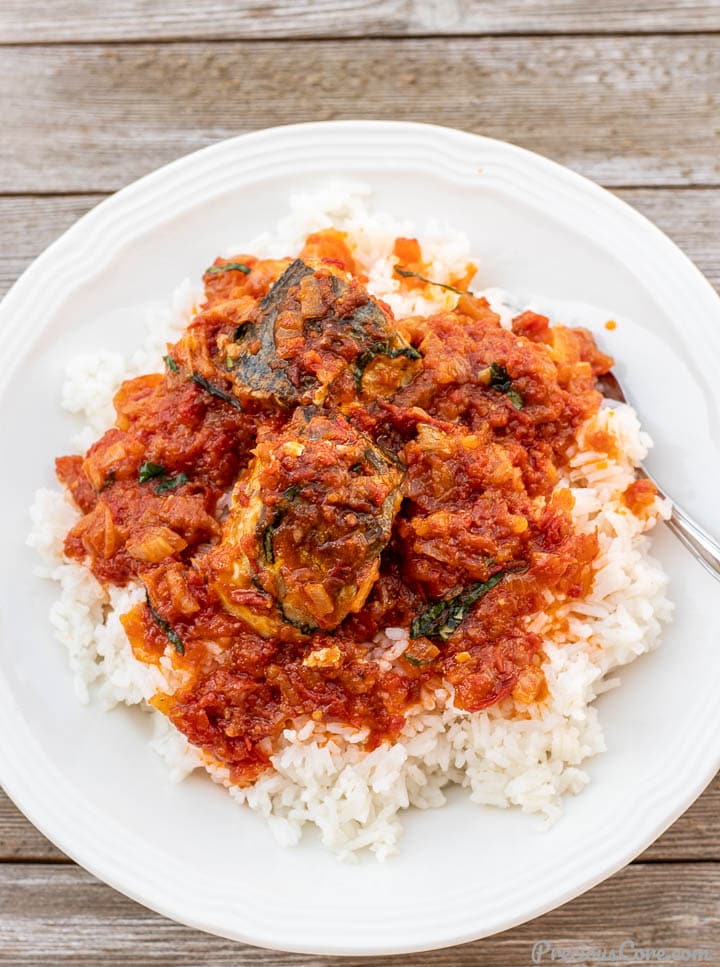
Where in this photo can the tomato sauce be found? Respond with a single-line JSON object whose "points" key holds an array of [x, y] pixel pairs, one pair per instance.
{"points": [[640, 496], [466, 425]]}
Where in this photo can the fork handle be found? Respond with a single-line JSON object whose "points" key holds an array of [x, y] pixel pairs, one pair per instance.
{"points": [[703, 547]]}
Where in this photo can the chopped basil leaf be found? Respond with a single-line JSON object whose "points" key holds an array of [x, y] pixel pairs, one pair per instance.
{"points": [[444, 617], [302, 628], [241, 330], [148, 471], [172, 483], [382, 348], [409, 274], [281, 508], [267, 541], [216, 391], [229, 267], [501, 380], [516, 399], [171, 364], [172, 636], [417, 662]]}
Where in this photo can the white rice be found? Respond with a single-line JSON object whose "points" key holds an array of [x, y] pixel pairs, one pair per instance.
{"points": [[322, 776]]}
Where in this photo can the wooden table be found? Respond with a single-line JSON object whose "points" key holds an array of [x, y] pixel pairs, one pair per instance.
{"points": [[93, 95]]}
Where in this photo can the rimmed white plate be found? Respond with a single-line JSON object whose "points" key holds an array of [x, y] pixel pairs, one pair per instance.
{"points": [[89, 781]]}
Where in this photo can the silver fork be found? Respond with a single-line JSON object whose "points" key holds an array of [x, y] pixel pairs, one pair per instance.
{"points": [[701, 545]]}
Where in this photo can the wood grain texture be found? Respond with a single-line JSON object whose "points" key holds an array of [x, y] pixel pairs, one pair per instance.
{"points": [[85, 20], [626, 111], [19, 840], [29, 224], [61, 915]]}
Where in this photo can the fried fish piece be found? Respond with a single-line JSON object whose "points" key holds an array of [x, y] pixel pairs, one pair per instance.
{"points": [[319, 336], [309, 519]]}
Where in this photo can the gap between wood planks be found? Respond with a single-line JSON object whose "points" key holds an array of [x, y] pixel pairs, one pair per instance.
{"points": [[621, 111], [101, 196], [353, 38], [130, 20], [63, 915]]}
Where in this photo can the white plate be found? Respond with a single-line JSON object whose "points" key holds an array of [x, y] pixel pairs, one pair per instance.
{"points": [[89, 781]]}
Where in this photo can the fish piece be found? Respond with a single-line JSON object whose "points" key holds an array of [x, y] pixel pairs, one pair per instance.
{"points": [[308, 521], [318, 336]]}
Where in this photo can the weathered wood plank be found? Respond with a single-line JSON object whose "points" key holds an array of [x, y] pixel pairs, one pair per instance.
{"points": [[691, 217], [19, 840], [626, 111], [695, 836], [80, 20], [28, 224], [61, 915]]}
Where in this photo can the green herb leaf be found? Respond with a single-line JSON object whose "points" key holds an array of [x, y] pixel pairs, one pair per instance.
{"points": [[171, 364], [216, 391], [148, 471], [417, 662], [172, 636], [409, 274], [229, 267], [501, 380], [281, 508], [267, 542], [516, 399], [382, 348], [443, 618], [241, 330], [302, 628], [177, 481]]}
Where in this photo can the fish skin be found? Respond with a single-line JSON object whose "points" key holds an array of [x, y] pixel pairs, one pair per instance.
{"points": [[349, 331], [263, 371]]}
